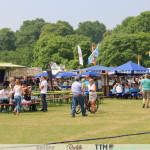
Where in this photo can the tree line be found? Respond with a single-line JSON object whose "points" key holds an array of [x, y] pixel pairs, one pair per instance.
{"points": [[38, 43]]}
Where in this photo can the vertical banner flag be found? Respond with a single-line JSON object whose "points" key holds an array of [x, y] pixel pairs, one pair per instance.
{"points": [[139, 57], [149, 54], [80, 55], [93, 56], [90, 59]]}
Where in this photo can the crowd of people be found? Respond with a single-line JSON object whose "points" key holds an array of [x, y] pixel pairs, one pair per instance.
{"points": [[141, 85], [16, 92], [123, 86], [19, 90]]}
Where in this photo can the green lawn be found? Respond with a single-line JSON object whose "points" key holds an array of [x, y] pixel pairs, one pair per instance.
{"points": [[114, 117]]}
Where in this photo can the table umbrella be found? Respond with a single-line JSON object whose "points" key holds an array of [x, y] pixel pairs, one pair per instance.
{"points": [[65, 75], [88, 73]]}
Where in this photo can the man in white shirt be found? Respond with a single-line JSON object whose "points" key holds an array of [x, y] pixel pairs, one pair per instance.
{"points": [[43, 87], [119, 90], [4, 93]]}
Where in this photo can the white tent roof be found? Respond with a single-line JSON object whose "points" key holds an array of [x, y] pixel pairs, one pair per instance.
{"points": [[10, 65]]}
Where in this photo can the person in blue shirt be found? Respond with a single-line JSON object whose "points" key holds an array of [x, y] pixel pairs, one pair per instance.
{"points": [[87, 77], [146, 90], [77, 97]]}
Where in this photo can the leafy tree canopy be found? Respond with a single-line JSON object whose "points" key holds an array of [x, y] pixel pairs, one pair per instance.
{"points": [[61, 28], [7, 39], [117, 49], [62, 50], [141, 23], [93, 30], [26, 38], [29, 32]]}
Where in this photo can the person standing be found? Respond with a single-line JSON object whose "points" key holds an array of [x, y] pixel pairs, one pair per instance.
{"points": [[17, 96], [92, 94], [43, 87], [99, 85], [77, 97], [146, 90]]}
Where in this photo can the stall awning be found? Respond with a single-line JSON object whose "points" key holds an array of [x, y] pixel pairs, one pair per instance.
{"points": [[9, 65]]}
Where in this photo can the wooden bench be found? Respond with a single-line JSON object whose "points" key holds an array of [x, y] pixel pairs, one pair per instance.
{"points": [[58, 98], [14, 104]]}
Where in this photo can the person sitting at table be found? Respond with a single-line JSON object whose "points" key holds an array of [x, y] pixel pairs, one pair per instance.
{"points": [[27, 82], [26, 92], [134, 85], [125, 92], [11, 87], [5, 94], [55, 85], [99, 84], [124, 81], [64, 85], [119, 90], [140, 79]]}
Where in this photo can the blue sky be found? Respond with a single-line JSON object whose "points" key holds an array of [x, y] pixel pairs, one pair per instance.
{"points": [[109, 12]]}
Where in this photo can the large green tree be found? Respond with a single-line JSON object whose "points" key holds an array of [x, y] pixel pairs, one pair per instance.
{"points": [[140, 23], [127, 41], [27, 36], [117, 49], [29, 32], [61, 28], [7, 39], [62, 50], [93, 30]]}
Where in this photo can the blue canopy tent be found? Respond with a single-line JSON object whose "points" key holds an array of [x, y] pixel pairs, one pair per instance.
{"points": [[43, 74], [97, 68], [128, 68], [65, 75], [88, 73]]}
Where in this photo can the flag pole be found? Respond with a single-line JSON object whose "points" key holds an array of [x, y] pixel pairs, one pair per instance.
{"points": [[94, 59], [139, 59]]}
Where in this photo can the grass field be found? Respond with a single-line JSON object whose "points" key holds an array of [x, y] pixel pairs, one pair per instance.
{"points": [[114, 117]]}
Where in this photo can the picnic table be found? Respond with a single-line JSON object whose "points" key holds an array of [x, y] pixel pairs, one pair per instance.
{"points": [[7, 98], [55, 97], [33, 102], [132, 90], [60, 96], [128, 93], [3, 98]]}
